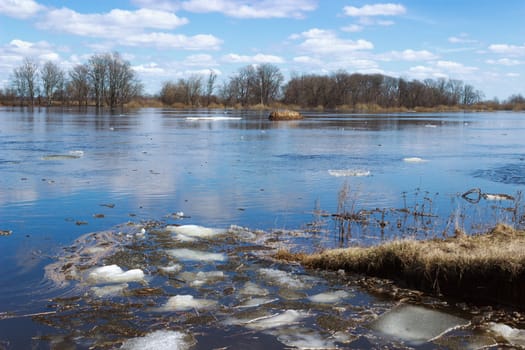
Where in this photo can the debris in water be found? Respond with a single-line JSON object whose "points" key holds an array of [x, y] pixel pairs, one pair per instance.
{"points": [[416, 324], [160, 340], [195, 255], [5, 232], [114, 274]]}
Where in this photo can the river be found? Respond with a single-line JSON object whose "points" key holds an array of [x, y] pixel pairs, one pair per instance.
{"points": [[81, 190]]}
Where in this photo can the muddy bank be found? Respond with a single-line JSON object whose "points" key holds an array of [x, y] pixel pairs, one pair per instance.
{"points": [[485, 269]]}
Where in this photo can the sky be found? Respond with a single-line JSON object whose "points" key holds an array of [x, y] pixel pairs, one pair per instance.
{"points": [[481, 42]]}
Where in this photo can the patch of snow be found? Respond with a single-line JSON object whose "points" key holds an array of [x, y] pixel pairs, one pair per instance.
{"points": [[160, 340], [512, 335], [114, 274], [195, 255]]}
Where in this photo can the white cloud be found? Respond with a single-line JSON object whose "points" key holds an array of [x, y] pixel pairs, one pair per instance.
{"points": [[514, 50], [239, 8], [409, 55], [388, 9], [115, 23], [505, 62], [173, 41], [149, 68], [20, 8], [462, 38], [325, 42], [200, 60], [455, 67], [353, 28], [256, 59]]}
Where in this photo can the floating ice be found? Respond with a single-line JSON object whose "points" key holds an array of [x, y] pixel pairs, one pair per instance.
{"points": [[286, 318], [109, 290], [512, 335], [172, 268], [329, 297], [251, 288], [191, 232], [60, 157], [256, 302], [349, 172], [186, 302], [414, 160], [200, 278], [76, 153], [416, 324], [160, 340], [282, 278], [114, 274], [195, 255], [212, 118], [303, 338]]}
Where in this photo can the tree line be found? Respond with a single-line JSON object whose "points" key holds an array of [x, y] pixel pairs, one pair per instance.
{"points": [[105, 80]]}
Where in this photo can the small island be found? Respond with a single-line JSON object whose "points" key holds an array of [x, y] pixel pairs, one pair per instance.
{"points": [[285, 115]]}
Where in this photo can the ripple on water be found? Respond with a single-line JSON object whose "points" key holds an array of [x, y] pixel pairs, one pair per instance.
{"points": [[511, 174]]}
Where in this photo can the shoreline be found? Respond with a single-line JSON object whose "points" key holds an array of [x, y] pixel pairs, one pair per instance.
{"points": [[485, 269]]}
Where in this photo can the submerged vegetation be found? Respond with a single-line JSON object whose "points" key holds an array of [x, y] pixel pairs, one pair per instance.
{"points": [[107, 80]]}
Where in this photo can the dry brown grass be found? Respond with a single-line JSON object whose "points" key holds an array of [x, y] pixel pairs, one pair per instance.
{"points": [[285, 115], [487, 267]]}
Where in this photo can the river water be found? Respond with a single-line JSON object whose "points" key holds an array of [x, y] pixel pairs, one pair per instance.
{"points": [[81, 190]]}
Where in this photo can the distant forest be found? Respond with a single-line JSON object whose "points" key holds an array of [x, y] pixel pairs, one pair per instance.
{"points": [[108, 81]]}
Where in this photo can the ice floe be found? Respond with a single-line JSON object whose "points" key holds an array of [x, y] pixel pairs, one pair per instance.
{"points": [[286, 318], [329, 297], [114, 274], [160, 340], [171, 268], [349, 172], [416, 324], [414, 160], [303, 338], [512, 335], [195, 255], [251, 288], [256, 302], [186, 302], [212, 118], [109, 290], [202, 277], [192, 232], [282, 278]]}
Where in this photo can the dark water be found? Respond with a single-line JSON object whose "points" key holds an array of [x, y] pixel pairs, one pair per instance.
{"points": [[64, 174]]}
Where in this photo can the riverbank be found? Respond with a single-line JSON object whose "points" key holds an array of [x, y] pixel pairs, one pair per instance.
{"points": [[485, 268]]}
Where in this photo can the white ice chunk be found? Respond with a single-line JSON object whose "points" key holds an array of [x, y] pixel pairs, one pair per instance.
{"points": [[414, 160], [186, 302], [303, 338], [512, 335], [282, 278], [195, 255], [76, 153], [329, 297], [109, 290], [114, 274], [211, 118], [251, 288], [286, 318], [172, 268], [416, 324], [349, 172], [159, 340], [202, 277], [189, 232], [255, 302]]}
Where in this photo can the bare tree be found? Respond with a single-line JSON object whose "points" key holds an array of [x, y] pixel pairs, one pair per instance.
{"points": [[121, 83], [52, 81], [269, 80], [193, 86], [78, 85], [25, 80], [210, 86], [97, 77]]}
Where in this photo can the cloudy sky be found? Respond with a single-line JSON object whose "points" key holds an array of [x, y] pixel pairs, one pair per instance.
{"points": [[481, 42]]}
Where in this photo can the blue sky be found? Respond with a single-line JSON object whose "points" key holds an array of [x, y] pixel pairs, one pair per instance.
{"points": [[481, 42]]}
